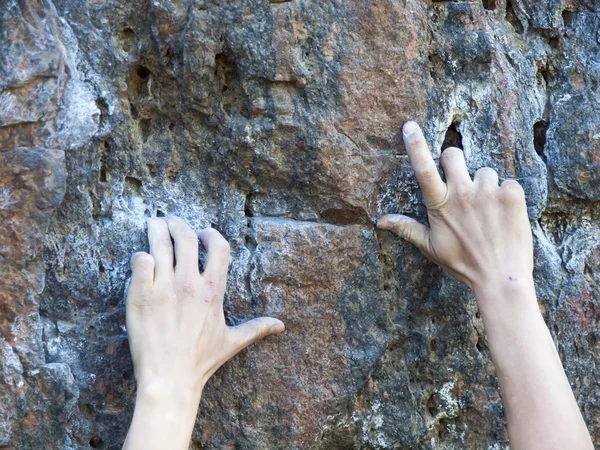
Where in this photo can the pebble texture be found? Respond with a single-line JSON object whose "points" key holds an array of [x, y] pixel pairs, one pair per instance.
{"points": [[278, 123]]}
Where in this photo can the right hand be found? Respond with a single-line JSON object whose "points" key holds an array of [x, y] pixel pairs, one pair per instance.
{"points": [[478, 231]]}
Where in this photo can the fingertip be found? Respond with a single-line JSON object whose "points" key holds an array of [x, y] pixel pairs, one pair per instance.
{"points": [[411, 131], [391, 221], [277, 327], [385, 222]]}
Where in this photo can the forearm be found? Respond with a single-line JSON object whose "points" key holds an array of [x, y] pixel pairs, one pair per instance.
{"points": [[161, 422], [540, 407]]}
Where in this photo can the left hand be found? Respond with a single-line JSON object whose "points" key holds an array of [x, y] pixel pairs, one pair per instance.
{"points": [[175, 321]]}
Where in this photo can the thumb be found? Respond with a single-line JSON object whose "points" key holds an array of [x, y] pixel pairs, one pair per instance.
{"points": [[248, 332], [408, 229]]}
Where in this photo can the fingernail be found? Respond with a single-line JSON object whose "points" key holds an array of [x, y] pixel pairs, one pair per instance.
{"points": [[410, 128], [277, 328]]}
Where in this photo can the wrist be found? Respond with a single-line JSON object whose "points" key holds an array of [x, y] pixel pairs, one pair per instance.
{"points": [[169, 396], [507, 302], [164, 417]]}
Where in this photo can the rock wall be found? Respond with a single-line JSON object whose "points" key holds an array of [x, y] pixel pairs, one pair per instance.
{"points": [[279, 124]]}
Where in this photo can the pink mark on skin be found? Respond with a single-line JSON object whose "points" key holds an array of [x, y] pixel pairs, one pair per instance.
{"points": [[510, 278]]}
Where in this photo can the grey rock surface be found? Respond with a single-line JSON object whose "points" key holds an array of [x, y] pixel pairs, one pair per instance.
{"points": [[278, 123]]}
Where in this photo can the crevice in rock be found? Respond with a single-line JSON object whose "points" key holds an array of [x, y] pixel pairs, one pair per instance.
{"points": [[145, 129], [512, 18], [481, 345], [539, 136], [453, 137], [248, 206], [490, 5], [348, 216]]}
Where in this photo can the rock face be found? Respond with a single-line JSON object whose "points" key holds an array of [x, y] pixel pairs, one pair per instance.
{"points": [[279, 124]]}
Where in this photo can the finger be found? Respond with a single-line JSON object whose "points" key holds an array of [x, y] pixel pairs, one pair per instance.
{"points": [[161, 247], [434, 189], [455, 167], [408, 229], [246, 333], [486, 176], [217, 259], [142, 279], [512, 193], [186, 246]]}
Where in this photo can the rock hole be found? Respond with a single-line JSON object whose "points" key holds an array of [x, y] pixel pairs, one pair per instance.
{"points": [[481, 344], [490, 5], [591, 339], [103, 178], [159, 213], [101, 268], [545, 75], [250, 242], [145, 129], [453, 137], [432, 406], [511, 17], [134, 184], [248, 206], [102, 105], [433, 345], [554, 42], [133, 110], [142, 72], [96, 442], [386, 287], [568, 18], [539, 136]]}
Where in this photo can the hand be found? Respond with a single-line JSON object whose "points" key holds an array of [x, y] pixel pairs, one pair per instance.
{"points": [[478, 231], [176, 326]]}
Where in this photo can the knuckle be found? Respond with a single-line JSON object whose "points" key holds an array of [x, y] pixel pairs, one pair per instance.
{"points": [[188, 236], [138, 298], [404, 232], [512, 191], [141, 261], [425, 174], [486, 172], [463, 194], [164, 243], [261, 332], [223, 246], [188, 285]]}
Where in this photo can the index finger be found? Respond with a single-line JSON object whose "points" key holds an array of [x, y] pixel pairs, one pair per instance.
{"points": [[434, 189]]}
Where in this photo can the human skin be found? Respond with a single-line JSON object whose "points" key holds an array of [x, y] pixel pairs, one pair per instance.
{"points": [[479, 233], [177, 332]]}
